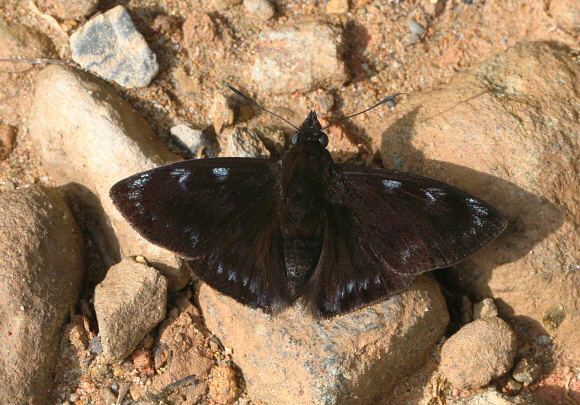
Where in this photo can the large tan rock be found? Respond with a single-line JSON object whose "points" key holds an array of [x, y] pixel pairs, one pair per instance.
{"points": [[507, 131], [355, 358], [88, 134], [41, 268]]}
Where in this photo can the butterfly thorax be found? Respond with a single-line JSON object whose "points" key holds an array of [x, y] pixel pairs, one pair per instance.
{"points": [[306, 170]]}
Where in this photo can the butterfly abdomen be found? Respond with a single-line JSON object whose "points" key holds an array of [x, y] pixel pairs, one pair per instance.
{"points": [[305, 170]]}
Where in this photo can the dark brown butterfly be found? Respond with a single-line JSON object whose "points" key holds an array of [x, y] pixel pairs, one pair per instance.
{"points": [[337, 236]]}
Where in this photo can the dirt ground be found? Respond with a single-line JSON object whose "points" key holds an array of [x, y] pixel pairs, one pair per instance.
{"points": [[458, 35]]}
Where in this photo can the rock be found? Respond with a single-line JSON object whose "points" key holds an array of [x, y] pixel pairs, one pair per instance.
{"points": [[356, 358], [337, 6], [196, 141], [199, 29], [88, 134], [273, 139], [111, 46], [410, 39], [499, 131], [223, 387], [244, 142], [22, 42], [41, 268], [72, 9], [323, 101], [187, 84], [566, 13], [223, 113], [526, 371], [484, 309], [495, 398], [299, 57], [221, 5], [7, 139], [187, 355], [261, 10], [479, 352], [415, 27], [129, 302]]}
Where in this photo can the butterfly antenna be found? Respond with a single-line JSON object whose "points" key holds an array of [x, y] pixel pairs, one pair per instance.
{"points": [[383, 101], [239, 93]]}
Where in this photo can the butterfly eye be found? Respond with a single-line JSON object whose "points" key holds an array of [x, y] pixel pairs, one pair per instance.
{"points": [[295, 138], [323, 139]]}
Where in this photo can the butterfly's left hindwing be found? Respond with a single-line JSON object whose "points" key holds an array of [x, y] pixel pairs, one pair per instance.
{"points": [[384, 227], [219, 214]]}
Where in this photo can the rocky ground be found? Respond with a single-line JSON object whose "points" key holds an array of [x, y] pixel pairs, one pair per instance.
{"points": [[357, 53]]}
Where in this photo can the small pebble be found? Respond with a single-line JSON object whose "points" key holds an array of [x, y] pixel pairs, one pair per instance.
{"points": [[9, 185], [484, 309], [337, 6], [543, 339], [260, 9], [513, 385], [415, 27], [526, 371]]}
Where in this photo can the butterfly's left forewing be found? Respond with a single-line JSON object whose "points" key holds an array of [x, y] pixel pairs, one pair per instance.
{"points": [[384, 227], [221, 215]]}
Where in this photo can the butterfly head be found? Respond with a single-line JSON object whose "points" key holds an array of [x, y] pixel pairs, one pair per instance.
{"points": [[310, 131]]}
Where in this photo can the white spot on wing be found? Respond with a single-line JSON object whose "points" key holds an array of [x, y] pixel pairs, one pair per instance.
{"points": [[477, 207], [391, 184], [183, 175], [220, 268], [432, 194], [350, 286], [134, 194], [231, 275], [221, 173], [141, 181], [405, 254]]}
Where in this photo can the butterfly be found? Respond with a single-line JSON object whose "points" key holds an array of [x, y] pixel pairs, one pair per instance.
{"points": [[336, 237]]}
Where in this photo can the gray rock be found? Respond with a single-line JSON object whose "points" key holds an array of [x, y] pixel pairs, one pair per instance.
{"points": [[299, 57], [41, 268], [244, 142], [260, 9], [495, 398], [415, 27], [88, 134], [484, 309], [196, 141], [479, 352], [129, 302], [356, 358], [111, 46]]}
